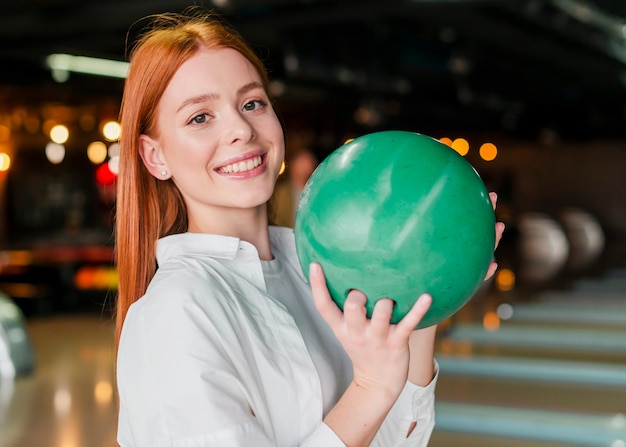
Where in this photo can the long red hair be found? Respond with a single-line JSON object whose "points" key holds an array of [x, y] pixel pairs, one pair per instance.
{"points": [[147, 208]]}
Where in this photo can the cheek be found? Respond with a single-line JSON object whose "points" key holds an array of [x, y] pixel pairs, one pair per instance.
{"points": [[279, 139], [192, 154]]}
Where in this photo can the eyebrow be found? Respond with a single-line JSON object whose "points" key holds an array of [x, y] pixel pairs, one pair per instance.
{"points": [[208, 96]]}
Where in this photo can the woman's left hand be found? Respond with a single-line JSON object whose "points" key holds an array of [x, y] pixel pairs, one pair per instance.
{"points": [[499, 230]]}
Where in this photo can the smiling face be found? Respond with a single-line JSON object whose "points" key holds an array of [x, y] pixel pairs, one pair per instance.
{"points": [[218, 139]]}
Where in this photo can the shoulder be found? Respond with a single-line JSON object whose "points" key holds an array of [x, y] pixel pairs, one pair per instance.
{"points": [[179, 291]]}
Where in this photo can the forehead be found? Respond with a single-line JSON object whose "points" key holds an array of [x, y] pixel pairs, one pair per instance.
{"points": [[212, 71]]}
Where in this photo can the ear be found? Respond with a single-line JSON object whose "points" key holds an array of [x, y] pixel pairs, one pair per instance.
{"points": [[152, 157]]}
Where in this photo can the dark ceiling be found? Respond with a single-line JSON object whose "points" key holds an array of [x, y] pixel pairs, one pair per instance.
{"points": [[515, 66]]}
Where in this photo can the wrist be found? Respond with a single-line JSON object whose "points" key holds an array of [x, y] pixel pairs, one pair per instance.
{"points": [[382, 393]]}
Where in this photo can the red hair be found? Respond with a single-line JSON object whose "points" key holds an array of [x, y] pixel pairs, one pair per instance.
{"points": [[147, 208]]}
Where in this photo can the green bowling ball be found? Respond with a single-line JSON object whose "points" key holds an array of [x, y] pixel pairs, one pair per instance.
{"points": [[396, 214]]}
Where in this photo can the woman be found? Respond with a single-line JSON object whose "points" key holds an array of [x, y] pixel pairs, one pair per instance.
{"points": [[225, 344]]}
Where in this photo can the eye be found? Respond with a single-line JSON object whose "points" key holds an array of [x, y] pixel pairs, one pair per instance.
{"points": [[254, 105], [200, 119]]}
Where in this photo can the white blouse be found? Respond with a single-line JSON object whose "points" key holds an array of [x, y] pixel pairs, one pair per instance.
{"points": [[227, 350]]}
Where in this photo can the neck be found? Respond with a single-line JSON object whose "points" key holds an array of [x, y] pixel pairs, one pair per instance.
{"points": [[250, 225]]}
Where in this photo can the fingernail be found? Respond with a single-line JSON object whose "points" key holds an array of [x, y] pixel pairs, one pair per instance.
{"points": [[426, 298], [314, 268]]}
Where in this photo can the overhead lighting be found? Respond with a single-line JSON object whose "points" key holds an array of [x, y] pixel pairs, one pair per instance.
{"points": [[62, 64]]}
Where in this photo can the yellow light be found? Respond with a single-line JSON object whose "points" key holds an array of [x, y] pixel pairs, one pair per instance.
{"points": [[111, 130], [488, 151], [348, 140], [282, 168], [97, 152], [5, 162], [101, 278], [59, 134], [103, 392], [461, 146], [505, 280], [447, 141]]}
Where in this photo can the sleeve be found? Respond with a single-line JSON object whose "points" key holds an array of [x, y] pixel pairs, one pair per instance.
{"points": [[415, 404], [323, 436]]}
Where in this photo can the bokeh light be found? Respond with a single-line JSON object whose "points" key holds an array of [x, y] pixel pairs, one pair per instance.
{"points": [[97, 152], [59, 133], [488, 151], [5, 162], [461, 145], [111, 130], [505, 280], [104, 176], [447, 141], [491, 321], [55, 153]]}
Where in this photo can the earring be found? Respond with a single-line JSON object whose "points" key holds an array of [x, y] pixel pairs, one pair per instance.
{"points": [[163, 172]]}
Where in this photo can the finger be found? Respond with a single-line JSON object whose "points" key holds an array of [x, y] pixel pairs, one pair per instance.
{"points": [[499, 231], [492, 270], [415, 315], [493, 197], [321, 297], [354, 312], [379, 323]]}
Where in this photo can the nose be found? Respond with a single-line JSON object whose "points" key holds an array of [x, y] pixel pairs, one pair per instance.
{"points": [[237, 128]]}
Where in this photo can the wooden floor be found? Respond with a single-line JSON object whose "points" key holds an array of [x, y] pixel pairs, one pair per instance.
{"points": [[542, 378]]}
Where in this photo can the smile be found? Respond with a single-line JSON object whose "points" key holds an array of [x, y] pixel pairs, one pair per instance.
{"points": [[242, 166]]}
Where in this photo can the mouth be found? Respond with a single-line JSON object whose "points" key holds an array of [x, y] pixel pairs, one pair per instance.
{"points": [[241, 166]]}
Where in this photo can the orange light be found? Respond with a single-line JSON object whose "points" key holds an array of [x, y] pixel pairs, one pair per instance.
{"points": [[491, 321], [96, 278], [461, 146], [488, 151], [447, 141], [83, 279], [505, 280]]}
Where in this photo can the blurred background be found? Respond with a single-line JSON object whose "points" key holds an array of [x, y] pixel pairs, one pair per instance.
{"points": [[531, 92]]}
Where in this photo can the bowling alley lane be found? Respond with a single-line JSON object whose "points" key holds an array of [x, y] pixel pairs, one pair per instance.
{"points": [[546, 368]]}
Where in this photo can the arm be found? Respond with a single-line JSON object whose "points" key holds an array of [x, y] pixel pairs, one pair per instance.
{"points": [[380, 355]]}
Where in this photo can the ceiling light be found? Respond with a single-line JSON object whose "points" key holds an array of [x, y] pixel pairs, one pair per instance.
{"points": [[62, 64]]}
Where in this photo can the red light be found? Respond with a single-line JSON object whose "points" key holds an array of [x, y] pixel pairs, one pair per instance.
{"points": [[104, 176]]}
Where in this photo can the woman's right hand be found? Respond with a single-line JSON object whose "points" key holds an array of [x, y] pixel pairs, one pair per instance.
{"points": [[379, 351]]}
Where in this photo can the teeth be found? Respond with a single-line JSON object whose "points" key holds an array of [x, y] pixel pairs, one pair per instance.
{"points": [[242, 166]]}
